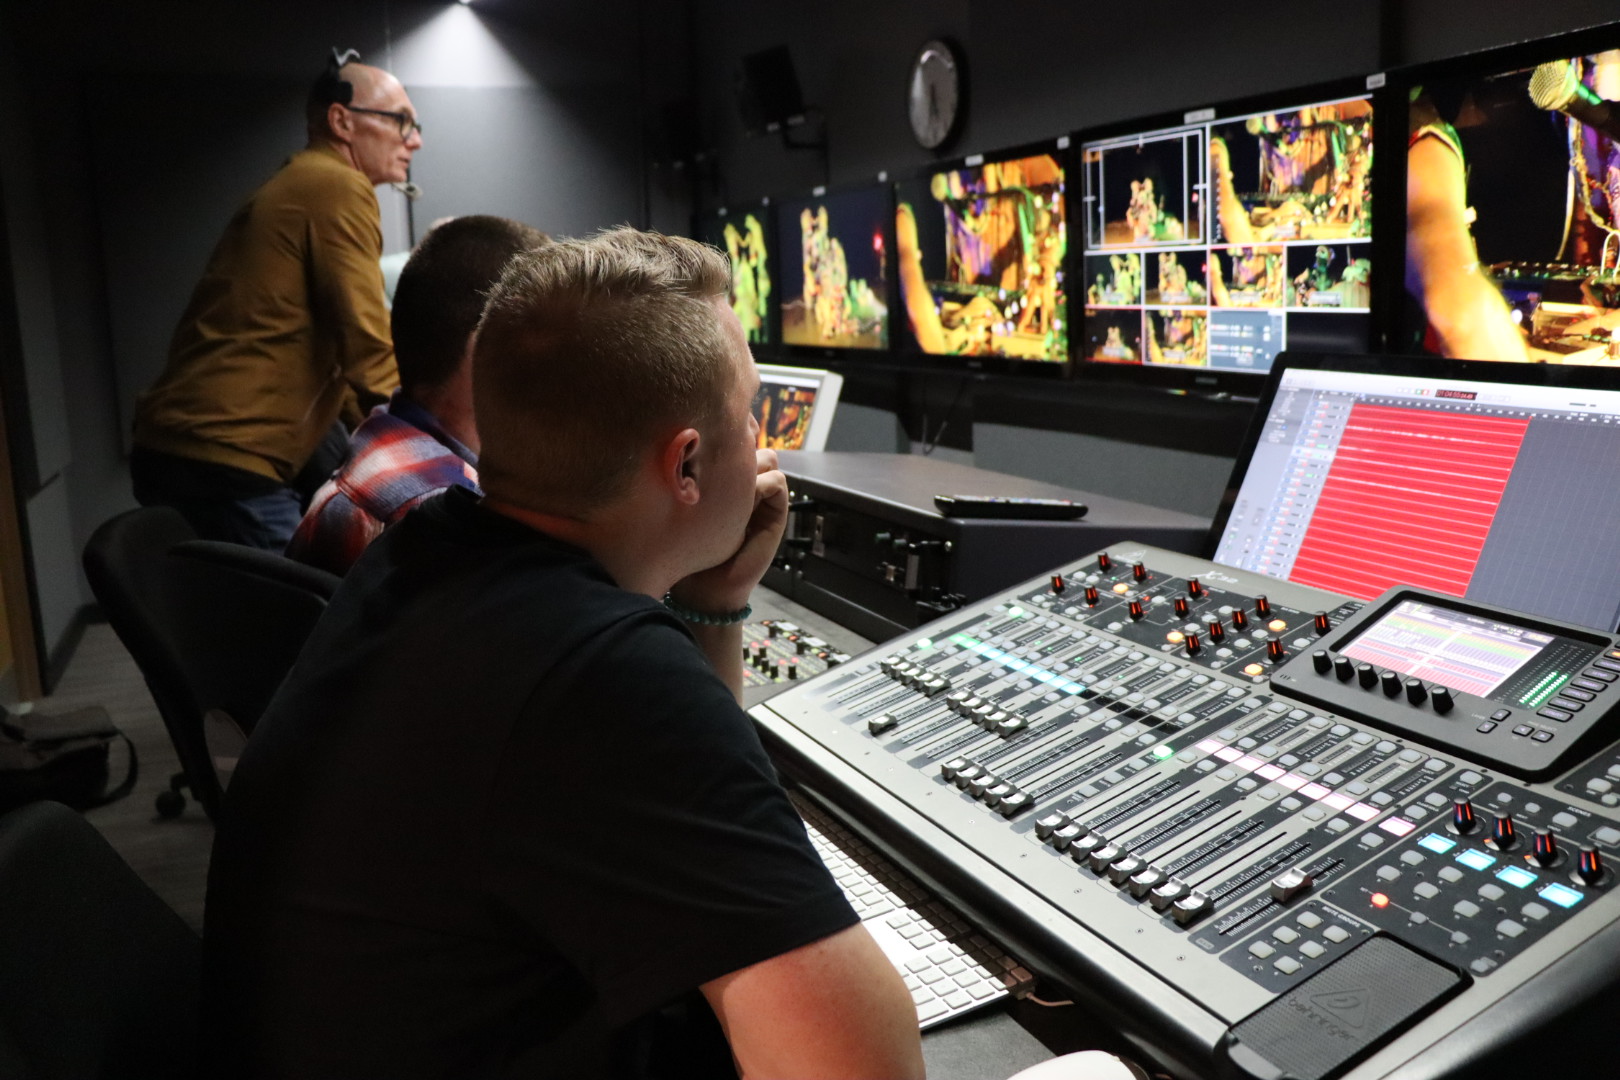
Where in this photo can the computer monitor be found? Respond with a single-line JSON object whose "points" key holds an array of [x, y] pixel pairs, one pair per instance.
{"points": [[746, 234], [1494, 482], [1513, 203], [1212, 240], [834, 277], [795, 406], [979, 256]]}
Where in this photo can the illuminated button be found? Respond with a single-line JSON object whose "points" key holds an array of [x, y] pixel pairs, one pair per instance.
{"points": [[1276, 626], [1254, 669], [1122, 588], [1379, 900], [1475, 859], [1562, 895], [1607, 665]]}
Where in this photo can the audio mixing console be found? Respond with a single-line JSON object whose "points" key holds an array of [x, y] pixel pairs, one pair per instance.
{"points": [[1266, 830]]}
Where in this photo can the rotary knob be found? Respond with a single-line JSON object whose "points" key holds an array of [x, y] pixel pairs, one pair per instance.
{"points": [[1321, 661], [1181, 606], [1262, 606], [1390, 682], [1544, 848], [1442, 699], [1057, 585], [1274, 650], [1135, 608], [1322, 622], [1217, 632], [1343, 668], [1462, 816], [1092, 596], [1240, 619], [1195, 587], [1503, 834], [1139, 571], [1416, 691], [1193, 644], [1105, 561], [1590, 867], [1367, 676]]}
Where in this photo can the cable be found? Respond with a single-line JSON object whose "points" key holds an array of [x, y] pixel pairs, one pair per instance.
{"points": [[1047, 1004], [929, 445]]}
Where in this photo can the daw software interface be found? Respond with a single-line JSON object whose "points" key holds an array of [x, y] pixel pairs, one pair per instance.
{"points": [[1498, 492]]}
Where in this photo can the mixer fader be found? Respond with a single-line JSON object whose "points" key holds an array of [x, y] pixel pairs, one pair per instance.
{"points": [[1150, 774]]}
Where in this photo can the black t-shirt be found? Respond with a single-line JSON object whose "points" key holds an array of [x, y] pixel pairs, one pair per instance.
{"points": [[501, 821]]}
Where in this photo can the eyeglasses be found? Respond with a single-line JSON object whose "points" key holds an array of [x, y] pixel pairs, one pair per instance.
{"points": [[408, 124]]}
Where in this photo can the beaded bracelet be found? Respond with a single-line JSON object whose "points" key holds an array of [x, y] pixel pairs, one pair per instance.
{"points": [[686, 614]]}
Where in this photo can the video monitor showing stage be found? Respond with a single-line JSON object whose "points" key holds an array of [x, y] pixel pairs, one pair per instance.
{"points": [[1491, 482], [1217, 242], [979, 253], [834, 269], [1513, 204], [794, 407], [744, 234]]}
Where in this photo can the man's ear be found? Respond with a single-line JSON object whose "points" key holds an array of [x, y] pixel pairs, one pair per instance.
{"points": [[339, 122], [679, 466]]}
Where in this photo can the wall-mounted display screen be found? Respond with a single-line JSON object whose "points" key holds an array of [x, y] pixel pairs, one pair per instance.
{"points": [[979, 253], [1513, 206], [745, 236], [834, 269], [1218, 242]]}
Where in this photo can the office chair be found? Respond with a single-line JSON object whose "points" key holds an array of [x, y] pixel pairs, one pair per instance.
{"points": [[213, 627], [101, 976]]}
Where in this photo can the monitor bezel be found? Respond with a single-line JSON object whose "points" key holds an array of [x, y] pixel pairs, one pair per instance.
{"points": [[1225, 381], [1483, 63], [886, 356], [1058, 147], [766, 207], [1429, 367], [831, 385]]}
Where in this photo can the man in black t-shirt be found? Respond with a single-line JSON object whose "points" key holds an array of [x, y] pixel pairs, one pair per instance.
{"points": [[505, 818]]}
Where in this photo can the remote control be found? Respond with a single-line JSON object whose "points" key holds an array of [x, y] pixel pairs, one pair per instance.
{"points": [[999, 506]]}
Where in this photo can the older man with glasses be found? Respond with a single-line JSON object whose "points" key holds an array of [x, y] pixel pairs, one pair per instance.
{"points": [[288, 328]]}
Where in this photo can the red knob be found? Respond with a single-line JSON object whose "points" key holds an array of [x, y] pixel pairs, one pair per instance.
{"points": [[1462, 816], [1240, 619], [1545, 850], [1195, 587], [1091, 596], [1217, 632], [1135, 607], [1192, 644], [1105, 561], [1139, 571], [1181, 605], [1262, 606], [1323, 623], [1590, 867], [1274, 649], [1057, 585]]}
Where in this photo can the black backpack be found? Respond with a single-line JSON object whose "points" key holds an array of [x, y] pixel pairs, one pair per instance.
{"points": [[62, 757]]}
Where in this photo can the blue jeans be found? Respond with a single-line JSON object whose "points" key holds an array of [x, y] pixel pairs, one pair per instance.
{"points": [[219, 502]]}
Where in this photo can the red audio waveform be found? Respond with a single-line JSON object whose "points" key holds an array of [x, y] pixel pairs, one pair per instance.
{"points": [[1408, 500]]}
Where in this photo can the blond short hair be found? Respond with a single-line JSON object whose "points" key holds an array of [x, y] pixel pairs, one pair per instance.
{"points": [[589, 351]]}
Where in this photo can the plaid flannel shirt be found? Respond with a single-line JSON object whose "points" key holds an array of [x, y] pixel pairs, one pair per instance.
{"points": [[400, 457]]}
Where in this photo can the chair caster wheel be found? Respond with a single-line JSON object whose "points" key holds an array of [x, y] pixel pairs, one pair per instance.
{"points": [[170, 804]]}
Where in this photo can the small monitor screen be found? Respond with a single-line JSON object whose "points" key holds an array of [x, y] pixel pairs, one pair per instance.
{"points": [[795, 406], [1512, 234], [979, 254], [1360, 481], [1452, 648], [1217, 244], [743, 236], [834, 270]]}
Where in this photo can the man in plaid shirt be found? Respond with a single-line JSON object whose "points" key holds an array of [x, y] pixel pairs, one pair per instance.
{"points": [[425, 439]]}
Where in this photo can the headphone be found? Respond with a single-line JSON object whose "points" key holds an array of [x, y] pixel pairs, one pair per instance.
{"points": [[331, 88]]}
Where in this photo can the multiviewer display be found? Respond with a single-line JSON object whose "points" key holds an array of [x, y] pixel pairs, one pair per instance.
{"points": [[1513, 239], [1217, 244], [979, 253], [1361, 481], [834, 270], [742, 235]]}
